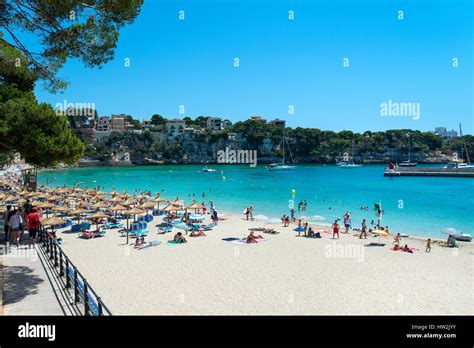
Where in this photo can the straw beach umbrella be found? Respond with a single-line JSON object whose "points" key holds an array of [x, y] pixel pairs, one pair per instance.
{"points": [[147, 206], [129, 202], [133, 212], [45, 205], [195, 206], [171, 207], [54, 198], [116, 199], [61, 208], [96, 217], [10, 199], [117, 208], [79, 212], [54, 221], [158, 200], [100, 205], [84, 204], [97, 198]]}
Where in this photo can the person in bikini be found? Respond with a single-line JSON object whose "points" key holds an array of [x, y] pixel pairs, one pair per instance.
{"points": [[252, 238]]}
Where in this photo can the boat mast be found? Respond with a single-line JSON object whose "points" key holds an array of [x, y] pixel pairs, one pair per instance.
{"points": [[463, 146], [352, 152], [283, 143], [409, 149]]}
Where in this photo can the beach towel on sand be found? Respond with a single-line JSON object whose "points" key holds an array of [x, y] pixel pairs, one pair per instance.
{"points": [[148, 244], [172, 242]]}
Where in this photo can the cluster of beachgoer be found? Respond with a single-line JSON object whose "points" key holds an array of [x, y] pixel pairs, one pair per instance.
{"points": [[302, 205], [285, 220], [17, 220]]}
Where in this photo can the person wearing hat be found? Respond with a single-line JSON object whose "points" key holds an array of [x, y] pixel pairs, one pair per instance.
{"points": [[33, 226]]}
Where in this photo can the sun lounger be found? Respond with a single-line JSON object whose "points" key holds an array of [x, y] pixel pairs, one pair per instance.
{"points": [[112, 225], [138, 233], [165, 229], [208, 227], [172, 242]]}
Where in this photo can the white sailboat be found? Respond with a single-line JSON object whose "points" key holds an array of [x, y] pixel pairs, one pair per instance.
{"points": [[408, 163], [349, 164], [459, 163], [282, 165]]}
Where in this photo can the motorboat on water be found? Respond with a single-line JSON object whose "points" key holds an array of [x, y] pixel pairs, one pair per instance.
{"points": [[207, 170], [348, 163], [279, 166]]}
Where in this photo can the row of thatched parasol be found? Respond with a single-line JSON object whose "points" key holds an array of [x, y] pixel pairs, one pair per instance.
{"points": [[81, 198]]}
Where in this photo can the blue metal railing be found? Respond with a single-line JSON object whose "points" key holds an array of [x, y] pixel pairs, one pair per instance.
{"points": [[65, 269]]}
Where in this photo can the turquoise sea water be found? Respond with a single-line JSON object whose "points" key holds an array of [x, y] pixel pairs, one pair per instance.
{"points": [[420, 206]]}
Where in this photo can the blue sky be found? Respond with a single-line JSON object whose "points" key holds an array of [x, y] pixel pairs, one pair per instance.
{"points": [[284, 62]]}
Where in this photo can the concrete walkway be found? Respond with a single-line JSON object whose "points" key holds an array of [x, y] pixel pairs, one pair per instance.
{"points": [[27, 286]]}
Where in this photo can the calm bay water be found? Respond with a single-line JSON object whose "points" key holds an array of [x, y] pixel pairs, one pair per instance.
{"points": [[415, 205]]}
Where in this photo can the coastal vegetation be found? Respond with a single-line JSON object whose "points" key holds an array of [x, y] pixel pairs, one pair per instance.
{"points": [[82, 30], [310, 145]]}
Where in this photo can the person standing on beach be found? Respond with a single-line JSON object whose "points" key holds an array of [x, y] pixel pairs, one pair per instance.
{"points": [[364, 230], [33, 226], [292, 214], [6, 219], [27, 207], [14, 224], [214, 217], [397, 239], [428, 245], [22, 214], [335, 229], [251, 213], [347, 222]]}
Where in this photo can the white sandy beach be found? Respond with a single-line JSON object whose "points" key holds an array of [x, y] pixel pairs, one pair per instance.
{"points": [[283, 275]]}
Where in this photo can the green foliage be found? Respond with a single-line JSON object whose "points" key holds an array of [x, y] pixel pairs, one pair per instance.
{"points": [[158, 120], [86, 30], [41, 136]]}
